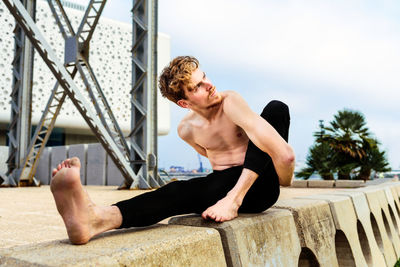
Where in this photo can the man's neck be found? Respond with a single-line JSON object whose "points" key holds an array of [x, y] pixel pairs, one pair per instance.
{"points": [[210, 112]]}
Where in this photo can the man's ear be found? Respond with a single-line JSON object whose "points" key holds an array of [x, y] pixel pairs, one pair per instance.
{"points": [[183, 103]]}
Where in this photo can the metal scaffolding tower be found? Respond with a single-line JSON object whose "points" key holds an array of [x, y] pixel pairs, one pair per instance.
{"points": [[19, 129], [143, 136], [96, 112]]}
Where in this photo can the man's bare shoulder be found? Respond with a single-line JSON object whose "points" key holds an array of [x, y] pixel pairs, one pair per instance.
{"points": [[185, 126], [233, 102]]}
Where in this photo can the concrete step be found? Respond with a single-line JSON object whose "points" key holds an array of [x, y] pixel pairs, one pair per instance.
{"points": [[159, 245], [266, 239]]}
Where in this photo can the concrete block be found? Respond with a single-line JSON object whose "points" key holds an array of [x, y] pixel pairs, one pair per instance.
{"points": [[43, 171], [380, 223], [389, 210], [396, 201], [265, 239], [114, 176], [396, 188], [321, 183], [58, 154], [299, 183], [160, 245], [79, 151], [348, 249], [392, 206], [96, 165], [349, 183], [315, 228], [368, 233]]}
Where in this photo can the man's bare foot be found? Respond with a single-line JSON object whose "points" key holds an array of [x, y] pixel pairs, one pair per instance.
{"points": [[225, 209], [83, 219]]}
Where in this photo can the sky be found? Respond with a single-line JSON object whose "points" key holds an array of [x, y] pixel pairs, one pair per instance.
{"points": [[317, 56]]}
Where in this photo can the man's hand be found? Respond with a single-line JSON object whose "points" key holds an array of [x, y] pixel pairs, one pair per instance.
{"points": [[225, 209]]}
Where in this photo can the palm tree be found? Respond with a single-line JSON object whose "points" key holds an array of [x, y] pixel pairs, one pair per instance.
{"points": [[320, 160], [349, 137], [374, 160], [347, 147], [347, 133]]}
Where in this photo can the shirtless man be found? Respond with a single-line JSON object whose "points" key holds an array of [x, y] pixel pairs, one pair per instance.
{"points": [[249, 155]]}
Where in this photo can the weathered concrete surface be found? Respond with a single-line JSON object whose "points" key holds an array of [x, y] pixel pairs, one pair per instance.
{"points": [[266, 239], [367, 236], [315, 227], [159, 245], [348, 249], [374, 198]]}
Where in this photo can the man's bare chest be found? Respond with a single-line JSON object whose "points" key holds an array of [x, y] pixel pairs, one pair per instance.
{"points": [[219, 135]]}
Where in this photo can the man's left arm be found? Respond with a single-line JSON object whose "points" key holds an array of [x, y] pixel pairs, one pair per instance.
{"points": [[263, 135]]}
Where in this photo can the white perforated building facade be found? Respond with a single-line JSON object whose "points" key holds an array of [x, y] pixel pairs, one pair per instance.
{"points": [[110, 58]]}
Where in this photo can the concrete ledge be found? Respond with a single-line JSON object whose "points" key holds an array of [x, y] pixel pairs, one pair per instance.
{"points": [[315, 228], [380, 223], [321, 183], [392, 207], [160, 245], [348, 249], [367, 235], [266, 239], [349, 183], [299, 183]]}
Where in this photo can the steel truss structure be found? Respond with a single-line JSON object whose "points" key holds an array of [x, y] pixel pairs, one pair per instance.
{"points": [[19, 129], [144, 94], [98, 115]]}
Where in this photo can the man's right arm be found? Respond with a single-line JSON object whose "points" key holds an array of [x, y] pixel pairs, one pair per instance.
{"points": [[186, 134]]}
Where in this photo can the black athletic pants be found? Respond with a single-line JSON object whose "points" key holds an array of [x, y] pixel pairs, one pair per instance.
{"points": [[197, 194]]}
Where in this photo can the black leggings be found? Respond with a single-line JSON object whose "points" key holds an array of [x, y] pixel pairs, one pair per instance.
{"points": [[197, 194]]}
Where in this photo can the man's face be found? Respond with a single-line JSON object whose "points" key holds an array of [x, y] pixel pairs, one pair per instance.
{"points": [[202, 93]]}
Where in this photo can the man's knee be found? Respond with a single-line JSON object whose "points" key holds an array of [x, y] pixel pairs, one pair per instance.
{"points": [[276, 107]]}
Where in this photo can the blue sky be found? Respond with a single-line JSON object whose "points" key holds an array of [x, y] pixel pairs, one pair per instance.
{"points": [[317, 56]]}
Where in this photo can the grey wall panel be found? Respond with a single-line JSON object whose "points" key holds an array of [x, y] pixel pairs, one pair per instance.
{"points": [[43, 171], [96, 165], [114, 176]]}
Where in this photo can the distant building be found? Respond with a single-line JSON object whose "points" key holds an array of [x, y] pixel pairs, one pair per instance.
{"points": [[110, 58]]}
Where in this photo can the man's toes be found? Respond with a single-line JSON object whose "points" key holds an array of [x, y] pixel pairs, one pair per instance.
{"points": [[75, 162], [54, 172], [68, 163]]}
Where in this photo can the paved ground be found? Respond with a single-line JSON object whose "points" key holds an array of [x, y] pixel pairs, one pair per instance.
{"points": [[28, 214]]}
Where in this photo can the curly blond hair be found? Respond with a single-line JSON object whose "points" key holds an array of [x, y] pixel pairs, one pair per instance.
{"points": [[176, 77]]}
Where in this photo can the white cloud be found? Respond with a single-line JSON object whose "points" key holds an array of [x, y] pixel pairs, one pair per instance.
{"points": [[340, 44]]}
